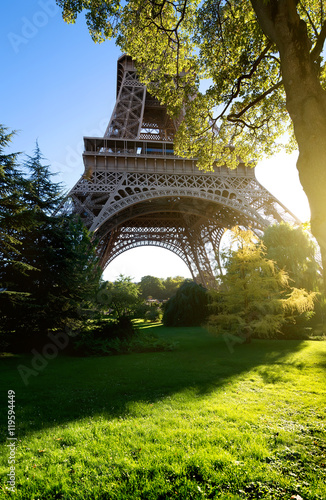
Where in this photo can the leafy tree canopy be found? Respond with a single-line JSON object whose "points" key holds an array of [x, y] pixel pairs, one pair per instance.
{"points": [[151, 286], [158, 288], [181, 43], [122, 297], [171, 285]]}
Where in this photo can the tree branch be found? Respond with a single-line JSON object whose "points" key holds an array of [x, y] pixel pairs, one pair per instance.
{"points": [[264, 12], [252, 127], [251, 72], [310, 20], [316, 51], [235, 94], [234, 117]]}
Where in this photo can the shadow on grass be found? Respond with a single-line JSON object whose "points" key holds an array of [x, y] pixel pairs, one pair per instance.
{"points": [[68, 388], [322, 360]]}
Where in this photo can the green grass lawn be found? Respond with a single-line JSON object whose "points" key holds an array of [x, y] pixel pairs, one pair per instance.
{"points": [[193, 423]]}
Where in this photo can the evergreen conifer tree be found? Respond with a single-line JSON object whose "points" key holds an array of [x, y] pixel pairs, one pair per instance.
{"points": [[256, 298], [14, 215], [188, 307], [58, 274], [294, 251]]}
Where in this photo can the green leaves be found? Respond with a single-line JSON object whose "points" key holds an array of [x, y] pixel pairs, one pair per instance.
{"points": [[209, 63], [122, 296], [185, 46], [14, 215], [293, 249], [101, 16], [256, 298], [188, 307], [152, 287]]}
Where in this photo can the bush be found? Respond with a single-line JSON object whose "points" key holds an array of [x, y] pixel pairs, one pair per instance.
{"points": [[149, 312], [110, 337], [104, 336], [188, 307], [121, 328], [153, 314]]}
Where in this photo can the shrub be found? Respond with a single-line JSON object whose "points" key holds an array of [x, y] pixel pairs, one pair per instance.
{"points": [[104, 336], [110, 337], [153, 314], [188, 307]]}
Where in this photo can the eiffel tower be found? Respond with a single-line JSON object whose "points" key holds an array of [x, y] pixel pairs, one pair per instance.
{"points": [[135, 191]]}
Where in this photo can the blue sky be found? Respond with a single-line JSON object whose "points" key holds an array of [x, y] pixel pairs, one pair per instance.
{"points": [[57, 86]]}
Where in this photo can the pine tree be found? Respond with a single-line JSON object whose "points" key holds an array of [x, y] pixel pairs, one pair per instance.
{"points": [[14, 215], [293, 250], [62, 274], [256, 298]]}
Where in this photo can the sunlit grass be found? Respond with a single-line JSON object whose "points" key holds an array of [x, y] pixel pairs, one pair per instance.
{"points": [[197, 422]]}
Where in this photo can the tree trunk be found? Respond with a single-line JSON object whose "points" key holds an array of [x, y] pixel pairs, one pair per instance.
{"points": [[305, 102]]}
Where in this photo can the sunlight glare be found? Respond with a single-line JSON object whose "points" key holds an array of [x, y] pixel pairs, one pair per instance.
{"points": [[144, 261]]}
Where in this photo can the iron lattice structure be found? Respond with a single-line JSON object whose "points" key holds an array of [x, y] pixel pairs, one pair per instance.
{"points": [[135, 191]]}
